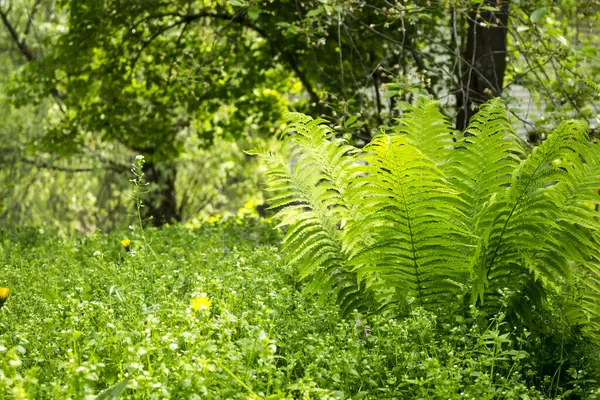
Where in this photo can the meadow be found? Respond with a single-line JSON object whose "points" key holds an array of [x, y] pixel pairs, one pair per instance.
{"points": [[216, 313]]}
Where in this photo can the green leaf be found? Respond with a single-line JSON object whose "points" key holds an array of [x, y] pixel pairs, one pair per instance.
{"points": [[589, 51], [562, 40], [538, 15], [389, 93], [113, 392], [49, 294], [253, 13], [238, 3], [315, 12], [293, 29], [351, 120]]}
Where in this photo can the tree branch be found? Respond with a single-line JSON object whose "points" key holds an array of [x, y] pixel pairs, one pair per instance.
{"points": [[21, 44], [30, 17], [24, 48]]}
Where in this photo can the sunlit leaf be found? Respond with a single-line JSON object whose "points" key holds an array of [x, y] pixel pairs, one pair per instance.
{"points": [[315, 12], [538, 15], [113, 392], [238, 3]]}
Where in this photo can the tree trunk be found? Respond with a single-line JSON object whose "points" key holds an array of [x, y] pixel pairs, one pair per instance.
{"points": [[160, 203], [484, 60]]}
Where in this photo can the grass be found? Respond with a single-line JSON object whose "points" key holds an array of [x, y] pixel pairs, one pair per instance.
{"points": [[85, 314]]}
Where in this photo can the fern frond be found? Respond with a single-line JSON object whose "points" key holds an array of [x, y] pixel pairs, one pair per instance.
{"points": [[528, 210], [416, 245], [310, 178], [589, 306], [592, 85], [482, 162], [428, 129]]}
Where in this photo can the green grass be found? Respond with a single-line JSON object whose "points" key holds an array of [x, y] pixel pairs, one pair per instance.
{"points": [[84, 315]]}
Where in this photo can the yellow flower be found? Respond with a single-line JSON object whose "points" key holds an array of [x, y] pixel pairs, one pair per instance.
{"points": [[126, 243], [202, 302], [3, 295], [214, 219], [248, 209]]}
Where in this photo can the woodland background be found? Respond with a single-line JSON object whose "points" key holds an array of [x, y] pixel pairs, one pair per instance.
{"points": [[85, 86]]}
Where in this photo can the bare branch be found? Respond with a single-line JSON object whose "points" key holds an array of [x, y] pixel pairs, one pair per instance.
{"points": [[30, 17]]}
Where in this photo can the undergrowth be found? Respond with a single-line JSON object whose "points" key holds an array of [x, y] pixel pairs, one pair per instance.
{"points": [[84, 314]]}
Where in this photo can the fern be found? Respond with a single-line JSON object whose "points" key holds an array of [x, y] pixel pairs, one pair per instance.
{"points": [[592, 85], [426, 213], [314, 204], [591, 299], [410, 214], [482, 161], [517, 223], [429, 130]]}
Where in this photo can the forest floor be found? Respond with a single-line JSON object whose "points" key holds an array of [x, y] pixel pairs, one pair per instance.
{"points": [[211, 313]]}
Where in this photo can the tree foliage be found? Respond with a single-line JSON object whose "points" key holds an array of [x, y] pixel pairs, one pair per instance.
{"points": [[127, 78]]}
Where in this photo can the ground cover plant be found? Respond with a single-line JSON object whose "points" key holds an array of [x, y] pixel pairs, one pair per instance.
{"points": [[216, 313]]}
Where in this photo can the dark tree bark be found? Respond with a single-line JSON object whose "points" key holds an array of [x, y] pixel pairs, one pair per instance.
{"points": [[160, 203], [484, 60]]}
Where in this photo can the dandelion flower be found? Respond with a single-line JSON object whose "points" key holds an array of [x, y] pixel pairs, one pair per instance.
{"points": [[126, 243], [251, 205], [202, 302], [3, 295]]}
